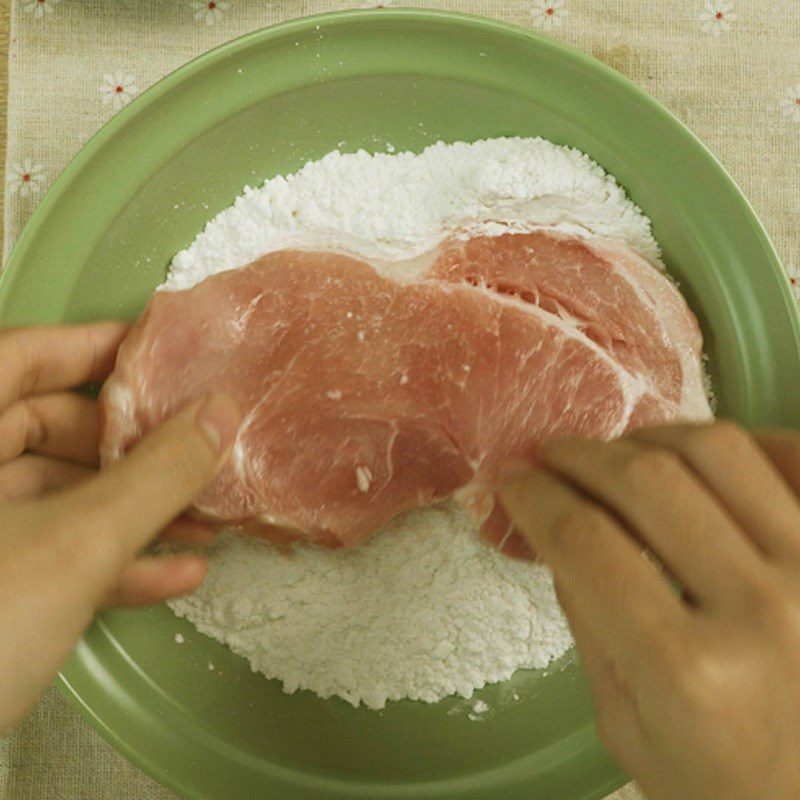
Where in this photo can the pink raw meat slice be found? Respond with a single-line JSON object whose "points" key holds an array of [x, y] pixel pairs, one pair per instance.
{"points": [[609, 292], [366, 395]]}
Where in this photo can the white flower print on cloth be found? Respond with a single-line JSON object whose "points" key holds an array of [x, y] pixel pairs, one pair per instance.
{"points": [[548, 14], [717, 16], [39, 8], [209, 11], [118, 89], [26, 178], [790, 103]]}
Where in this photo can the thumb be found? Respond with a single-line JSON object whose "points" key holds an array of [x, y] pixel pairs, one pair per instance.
{"points": [[159, 478]]}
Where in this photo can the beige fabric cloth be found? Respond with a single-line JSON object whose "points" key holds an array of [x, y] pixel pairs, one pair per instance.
{"points": [[734, 79]]}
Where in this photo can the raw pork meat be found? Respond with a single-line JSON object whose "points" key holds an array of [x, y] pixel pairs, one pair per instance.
{"points": [[369, 391]]}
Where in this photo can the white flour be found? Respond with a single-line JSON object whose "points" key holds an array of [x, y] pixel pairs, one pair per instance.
{"points": [[424, 610], [398, 206]]}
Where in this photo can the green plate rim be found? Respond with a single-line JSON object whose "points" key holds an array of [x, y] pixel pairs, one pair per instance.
{"points": [[263, 37], [141, 103]]}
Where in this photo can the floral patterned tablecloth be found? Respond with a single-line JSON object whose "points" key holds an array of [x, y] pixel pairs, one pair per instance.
{"points": [[729, 68]]}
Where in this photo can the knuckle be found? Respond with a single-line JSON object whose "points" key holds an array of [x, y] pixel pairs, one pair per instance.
{"points": [[723, 436], [695, 681], [28, 367], [694, 673], [32, 425], [652, 464], [580, 517]]}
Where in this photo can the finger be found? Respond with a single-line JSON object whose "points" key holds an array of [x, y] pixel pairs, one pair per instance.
{"points": [[63, 425], [666, 507], [499, 531], [137, 496], [616, 714], [31, 476], [188, 531], [628, 607], [742, 477], [152, 579], [47, 359], [783, 450]]}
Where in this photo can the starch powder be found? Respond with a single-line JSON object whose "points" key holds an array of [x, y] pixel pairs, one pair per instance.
{"points": [[424, 609]]}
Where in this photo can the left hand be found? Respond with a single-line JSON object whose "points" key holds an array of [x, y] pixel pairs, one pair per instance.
{"points": [[49, 434], [71, 539]]}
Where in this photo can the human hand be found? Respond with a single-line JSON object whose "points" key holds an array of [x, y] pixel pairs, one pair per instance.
{"points": [[696, 694], [71, 538]]}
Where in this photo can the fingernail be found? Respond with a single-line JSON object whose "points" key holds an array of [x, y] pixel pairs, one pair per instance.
{"points": [[219, 419]]}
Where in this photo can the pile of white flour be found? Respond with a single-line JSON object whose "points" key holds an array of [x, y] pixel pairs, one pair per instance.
{"points": [[424, 610]]}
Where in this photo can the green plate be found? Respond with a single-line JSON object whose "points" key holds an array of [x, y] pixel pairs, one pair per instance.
{"points": [[142, 189]]}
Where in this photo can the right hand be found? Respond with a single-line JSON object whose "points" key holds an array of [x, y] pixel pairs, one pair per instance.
{"points": [[696, 694], [71, 539]]}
